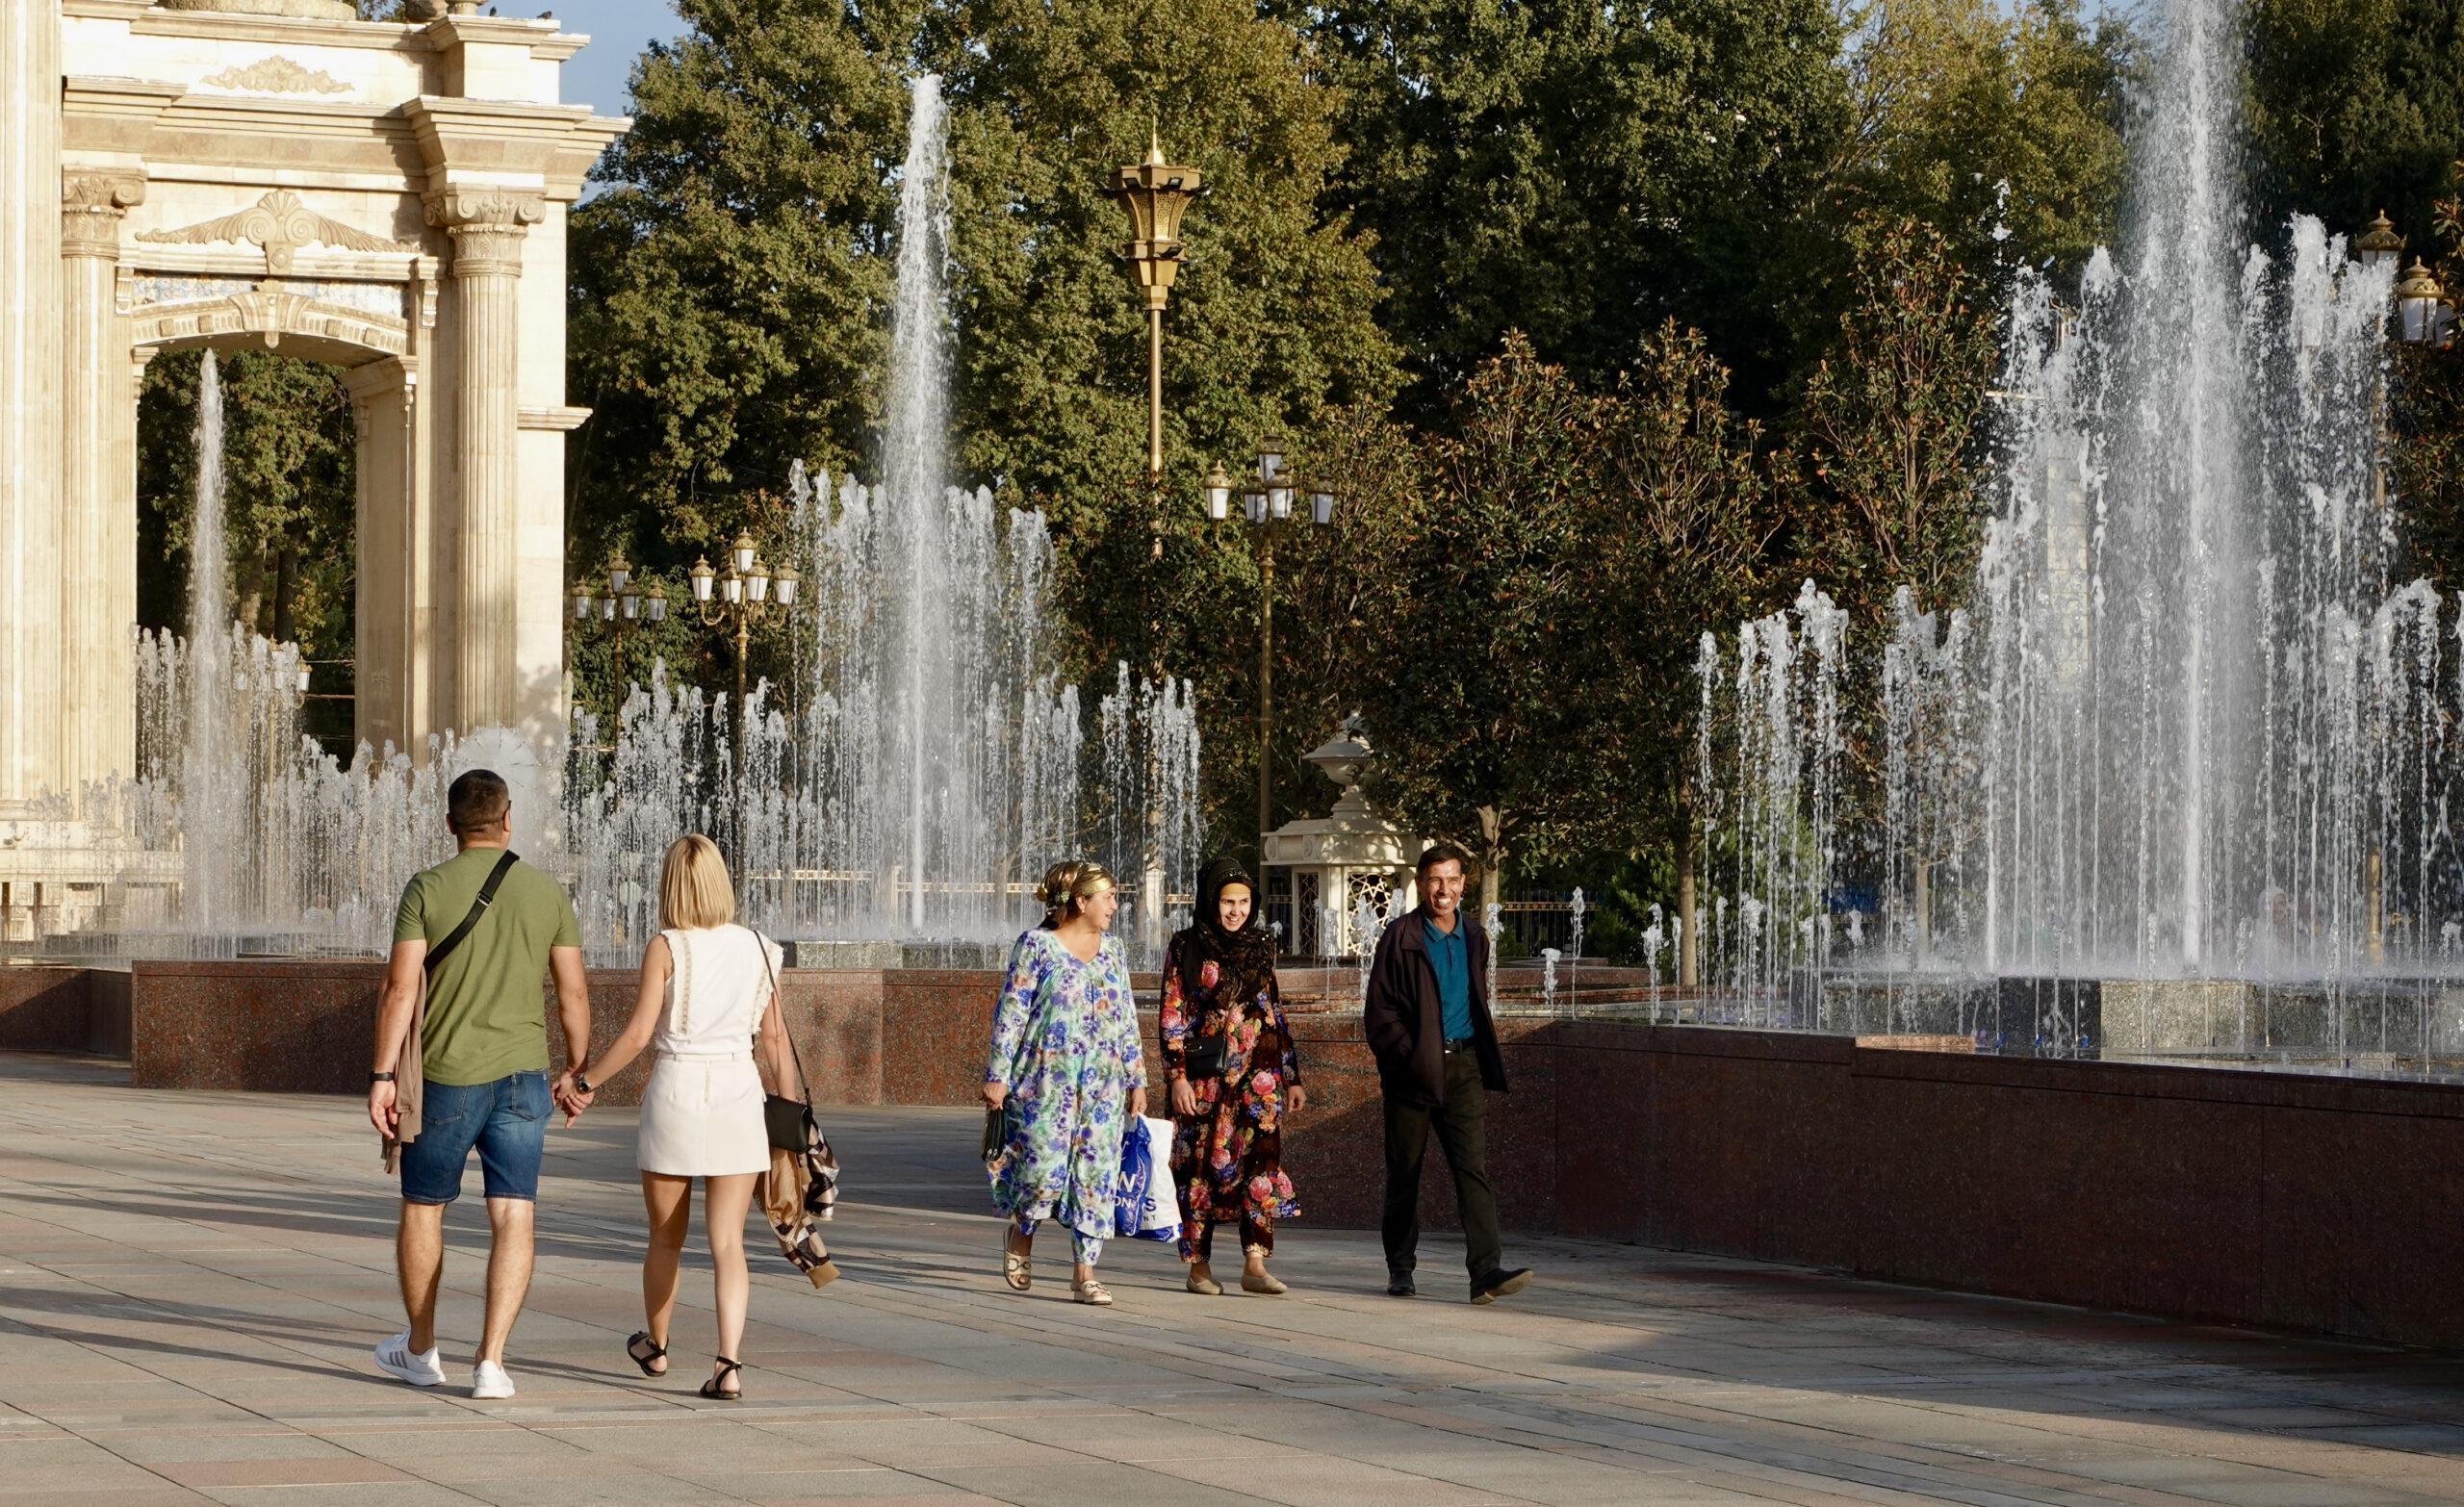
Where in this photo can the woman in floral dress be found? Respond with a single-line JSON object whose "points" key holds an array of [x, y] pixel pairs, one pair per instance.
{"points": [[1227, 1145], [1067, 1064]]}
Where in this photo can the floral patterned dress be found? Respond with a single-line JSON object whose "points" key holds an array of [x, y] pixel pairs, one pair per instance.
{"points": [[1227, 1158], [1065, 1039]]}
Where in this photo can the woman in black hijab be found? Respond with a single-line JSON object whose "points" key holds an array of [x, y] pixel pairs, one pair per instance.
{"points": [[1234, 1073]]}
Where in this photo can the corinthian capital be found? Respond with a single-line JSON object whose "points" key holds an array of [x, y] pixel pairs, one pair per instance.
{"points": [[91, 206]]}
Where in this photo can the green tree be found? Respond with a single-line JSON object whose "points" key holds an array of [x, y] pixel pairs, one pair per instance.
{"points": [[727, 285], [2002, 129], [1581, 172], [2357, 106], [1889, 488], [1476, 701]]}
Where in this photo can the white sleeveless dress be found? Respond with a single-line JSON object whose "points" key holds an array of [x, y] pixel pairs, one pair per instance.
{"points": [[701, 1109]]}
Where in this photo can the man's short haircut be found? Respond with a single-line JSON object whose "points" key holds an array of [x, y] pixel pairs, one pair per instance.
{"points": [[477, 801], [1438, 852]]}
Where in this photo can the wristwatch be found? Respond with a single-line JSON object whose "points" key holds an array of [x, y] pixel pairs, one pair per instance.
{"points": [[380, 1077], [581, 1085]]}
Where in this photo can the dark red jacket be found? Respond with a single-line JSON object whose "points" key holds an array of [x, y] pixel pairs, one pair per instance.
{"points": [[1403, 1021]]}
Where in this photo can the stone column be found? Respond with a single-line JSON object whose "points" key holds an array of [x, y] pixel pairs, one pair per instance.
{"points": [[30, 671], [487, 226], [98, 483]]}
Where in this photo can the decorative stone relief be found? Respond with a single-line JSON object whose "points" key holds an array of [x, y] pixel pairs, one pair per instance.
{"points": [[270, 316], [91, 206], [276, 76], [281, 224]]}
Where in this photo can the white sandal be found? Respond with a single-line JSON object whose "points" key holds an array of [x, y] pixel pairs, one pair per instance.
{"points": [[1091, 1291]]}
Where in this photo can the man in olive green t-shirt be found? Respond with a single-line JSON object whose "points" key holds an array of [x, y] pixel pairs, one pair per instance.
{"points": [[484, 1056]]}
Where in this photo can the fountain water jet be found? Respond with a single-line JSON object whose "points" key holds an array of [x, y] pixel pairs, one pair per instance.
{"points": [[2189, 725]]}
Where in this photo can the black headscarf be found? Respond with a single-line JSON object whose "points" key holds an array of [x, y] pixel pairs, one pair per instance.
{"points": [[1243, 959]]}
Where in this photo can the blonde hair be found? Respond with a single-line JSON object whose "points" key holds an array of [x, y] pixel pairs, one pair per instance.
{"points": [[1067, 887], [693, 887]]}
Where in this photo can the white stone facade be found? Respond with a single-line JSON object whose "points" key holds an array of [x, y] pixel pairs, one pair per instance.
{"points": [[388, 197]]}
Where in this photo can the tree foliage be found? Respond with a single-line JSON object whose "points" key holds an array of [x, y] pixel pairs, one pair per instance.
{"points": [[1581, 172], [2355, 106], [1529, 699], [1889, 492], [2002, 129]]}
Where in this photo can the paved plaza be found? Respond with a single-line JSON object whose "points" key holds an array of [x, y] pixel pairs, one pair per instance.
{"points": [[190, 1284]]}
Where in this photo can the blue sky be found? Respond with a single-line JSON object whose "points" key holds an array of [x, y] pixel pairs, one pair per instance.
{"points": [[620, 28], [618, 31]]}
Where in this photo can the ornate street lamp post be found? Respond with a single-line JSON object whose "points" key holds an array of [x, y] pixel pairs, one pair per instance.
{"points": [[624, 606], [2421, 309], [1266, 503], [744, 595], [1155, 193], [2378, 244]]}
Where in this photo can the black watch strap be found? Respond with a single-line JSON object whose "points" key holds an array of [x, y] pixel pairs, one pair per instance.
{"points": [[380, 1077]]}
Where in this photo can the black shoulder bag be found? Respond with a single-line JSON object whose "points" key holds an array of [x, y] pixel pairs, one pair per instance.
{"points": [[789, 1122]]}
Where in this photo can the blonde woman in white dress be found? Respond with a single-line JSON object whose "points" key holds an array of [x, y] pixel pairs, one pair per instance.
{"points": [[707, 1004]]}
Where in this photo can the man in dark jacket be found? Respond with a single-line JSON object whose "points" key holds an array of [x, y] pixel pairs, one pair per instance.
{"points": [[1428, 1023]]}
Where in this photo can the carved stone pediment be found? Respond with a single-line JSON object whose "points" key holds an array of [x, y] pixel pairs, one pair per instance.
{"points": [[281, 224], [276, 76]]}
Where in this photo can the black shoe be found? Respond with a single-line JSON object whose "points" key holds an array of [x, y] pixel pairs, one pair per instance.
{"points": [[1399, 1284], [1501, 1283]]}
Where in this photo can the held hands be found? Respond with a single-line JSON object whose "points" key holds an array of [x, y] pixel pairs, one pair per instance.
{"points": [[568, 1100], [381, 1111]]}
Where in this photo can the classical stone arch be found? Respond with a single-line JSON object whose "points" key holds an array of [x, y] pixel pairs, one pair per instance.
{"points": [[385, 197]]}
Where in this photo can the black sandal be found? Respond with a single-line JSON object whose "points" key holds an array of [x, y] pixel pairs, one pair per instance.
{"points": [[658, 1352], [710, 1387]]}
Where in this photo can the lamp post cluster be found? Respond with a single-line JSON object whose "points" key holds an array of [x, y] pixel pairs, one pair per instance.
{"points": [[743, 595], [617, 611], [1266, 502], [2424, 314]]}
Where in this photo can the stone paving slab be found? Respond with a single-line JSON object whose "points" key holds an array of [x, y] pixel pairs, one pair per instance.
{"points": [[190, 1284]]}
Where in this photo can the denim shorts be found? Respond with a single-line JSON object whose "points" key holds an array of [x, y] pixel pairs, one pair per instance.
{"points": [[506, 1120]]}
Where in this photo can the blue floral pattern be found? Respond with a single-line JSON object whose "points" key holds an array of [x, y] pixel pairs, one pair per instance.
{"points": [[1065, 1039]]}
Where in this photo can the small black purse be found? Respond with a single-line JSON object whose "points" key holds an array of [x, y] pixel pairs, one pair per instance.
{"points": [[789, 1122], [1206, 1057]]}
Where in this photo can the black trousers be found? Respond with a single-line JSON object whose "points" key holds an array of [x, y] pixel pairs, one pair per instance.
{"points": [[1461, 1125]]}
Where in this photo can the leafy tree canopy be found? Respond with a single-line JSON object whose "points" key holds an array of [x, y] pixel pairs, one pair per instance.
{"points": [[1581, 172], [2357, 106], [731, 287]]}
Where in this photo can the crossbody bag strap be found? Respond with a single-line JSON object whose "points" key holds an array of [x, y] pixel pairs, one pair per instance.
{"points": [[452, 940], [763, 944], [479, 909]]}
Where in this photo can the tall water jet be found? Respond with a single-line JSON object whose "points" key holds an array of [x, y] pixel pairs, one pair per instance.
{"points": [[914, 478], [208, 822]]}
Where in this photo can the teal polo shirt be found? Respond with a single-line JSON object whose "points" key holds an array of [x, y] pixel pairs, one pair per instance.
{"points": [[1452, 959]]}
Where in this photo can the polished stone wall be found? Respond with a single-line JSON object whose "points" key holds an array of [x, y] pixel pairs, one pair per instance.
{"points": [[2298, 1201]]}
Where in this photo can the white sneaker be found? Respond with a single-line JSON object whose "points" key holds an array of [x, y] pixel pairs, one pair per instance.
{"points": [[395, 1357], [489, 1380]]}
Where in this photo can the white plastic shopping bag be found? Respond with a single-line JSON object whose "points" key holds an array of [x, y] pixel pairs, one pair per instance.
{"points": [[1158, 1218]]}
